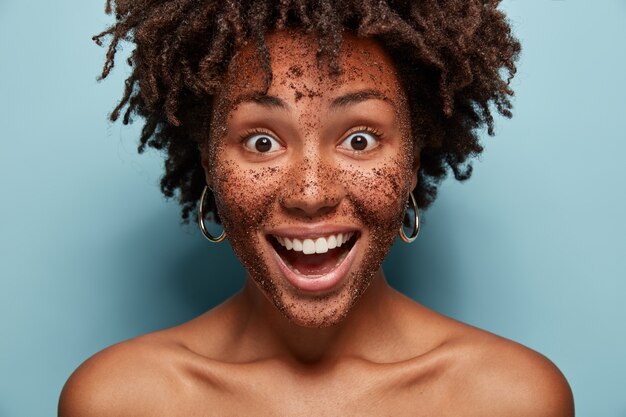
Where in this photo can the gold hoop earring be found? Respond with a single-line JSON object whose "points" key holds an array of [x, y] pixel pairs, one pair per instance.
{"points": [[416, 227], [205, 232]]}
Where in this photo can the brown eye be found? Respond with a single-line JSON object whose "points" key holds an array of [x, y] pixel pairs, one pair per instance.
{"points": [[360, 141], [262, 143]]}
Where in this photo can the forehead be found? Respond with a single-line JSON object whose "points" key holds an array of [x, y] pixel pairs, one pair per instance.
{"points": [[298, 75]]}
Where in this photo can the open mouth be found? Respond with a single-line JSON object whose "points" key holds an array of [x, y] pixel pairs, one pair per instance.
{"points": [[315, 263]]}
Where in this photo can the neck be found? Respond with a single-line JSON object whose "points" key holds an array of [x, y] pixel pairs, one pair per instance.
{"points": [[268, 334]]}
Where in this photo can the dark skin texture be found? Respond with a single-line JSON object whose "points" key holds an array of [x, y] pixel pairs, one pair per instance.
{"points": [[313, 179], [361, 348]]}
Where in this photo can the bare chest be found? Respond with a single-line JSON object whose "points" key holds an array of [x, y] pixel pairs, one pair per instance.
{"points": [[378, 393]]}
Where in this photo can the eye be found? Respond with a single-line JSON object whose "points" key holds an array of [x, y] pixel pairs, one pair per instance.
{"points": [[361, 141], [261, 143]]}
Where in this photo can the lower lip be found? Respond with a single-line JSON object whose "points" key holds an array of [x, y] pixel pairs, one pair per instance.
{"points": [[318, 283]]}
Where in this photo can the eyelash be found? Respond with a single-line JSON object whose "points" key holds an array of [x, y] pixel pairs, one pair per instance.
{"points": [[378, 135], [367, 129], [257, 131], [247, 135]]}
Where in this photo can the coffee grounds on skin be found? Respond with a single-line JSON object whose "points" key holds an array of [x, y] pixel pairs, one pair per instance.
{"points": [[249, 200]]}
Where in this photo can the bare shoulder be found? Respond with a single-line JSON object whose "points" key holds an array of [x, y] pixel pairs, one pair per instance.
{"points": [[507, 378], [134, 377], [158, 373], [471, 372]]}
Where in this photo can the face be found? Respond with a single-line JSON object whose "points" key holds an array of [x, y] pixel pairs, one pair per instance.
{"points": [[311, 178]]}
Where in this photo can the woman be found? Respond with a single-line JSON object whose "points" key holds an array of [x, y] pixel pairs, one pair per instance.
{"points": [[307, 129]]}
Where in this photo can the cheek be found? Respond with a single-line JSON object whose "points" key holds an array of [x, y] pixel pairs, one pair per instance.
{"points": [[244, 197], [378, 194], [378, 200]]}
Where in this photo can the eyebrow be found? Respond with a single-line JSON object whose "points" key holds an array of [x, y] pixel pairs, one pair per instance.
{"points": [[356, 97], [261, 99], [348, 99]]}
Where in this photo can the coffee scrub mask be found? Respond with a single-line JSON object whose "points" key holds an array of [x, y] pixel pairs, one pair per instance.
{"points": [[311, 176]]}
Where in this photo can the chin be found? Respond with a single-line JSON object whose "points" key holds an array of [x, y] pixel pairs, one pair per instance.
{"points": [[314, 318], [320, 311]]}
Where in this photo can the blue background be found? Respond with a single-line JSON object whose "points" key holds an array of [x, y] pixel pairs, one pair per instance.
{"points": [[532, 247]]}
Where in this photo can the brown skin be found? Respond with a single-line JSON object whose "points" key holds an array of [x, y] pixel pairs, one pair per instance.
{"points": [[313, 179], [361, 348]]}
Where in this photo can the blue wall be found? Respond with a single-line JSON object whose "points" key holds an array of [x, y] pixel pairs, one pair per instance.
{"points": [[533, 247]]}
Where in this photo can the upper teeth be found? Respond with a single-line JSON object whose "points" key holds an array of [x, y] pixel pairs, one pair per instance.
{"points": [[315, 245]]}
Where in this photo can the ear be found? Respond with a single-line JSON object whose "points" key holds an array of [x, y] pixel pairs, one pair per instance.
{"points": [[207, 170], [414, 169]]}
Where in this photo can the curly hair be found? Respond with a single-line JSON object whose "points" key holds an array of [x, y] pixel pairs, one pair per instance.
{"points": [[455, 59]]}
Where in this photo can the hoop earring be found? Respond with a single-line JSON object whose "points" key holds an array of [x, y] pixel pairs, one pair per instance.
{"points": [[416, 227], [205, 232]]}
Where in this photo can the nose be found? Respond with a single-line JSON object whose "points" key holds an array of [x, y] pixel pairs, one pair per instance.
{"points": [[313, 188]]}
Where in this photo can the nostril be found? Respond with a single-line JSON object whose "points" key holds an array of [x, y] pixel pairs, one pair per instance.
{"points": [[311, 204]]}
